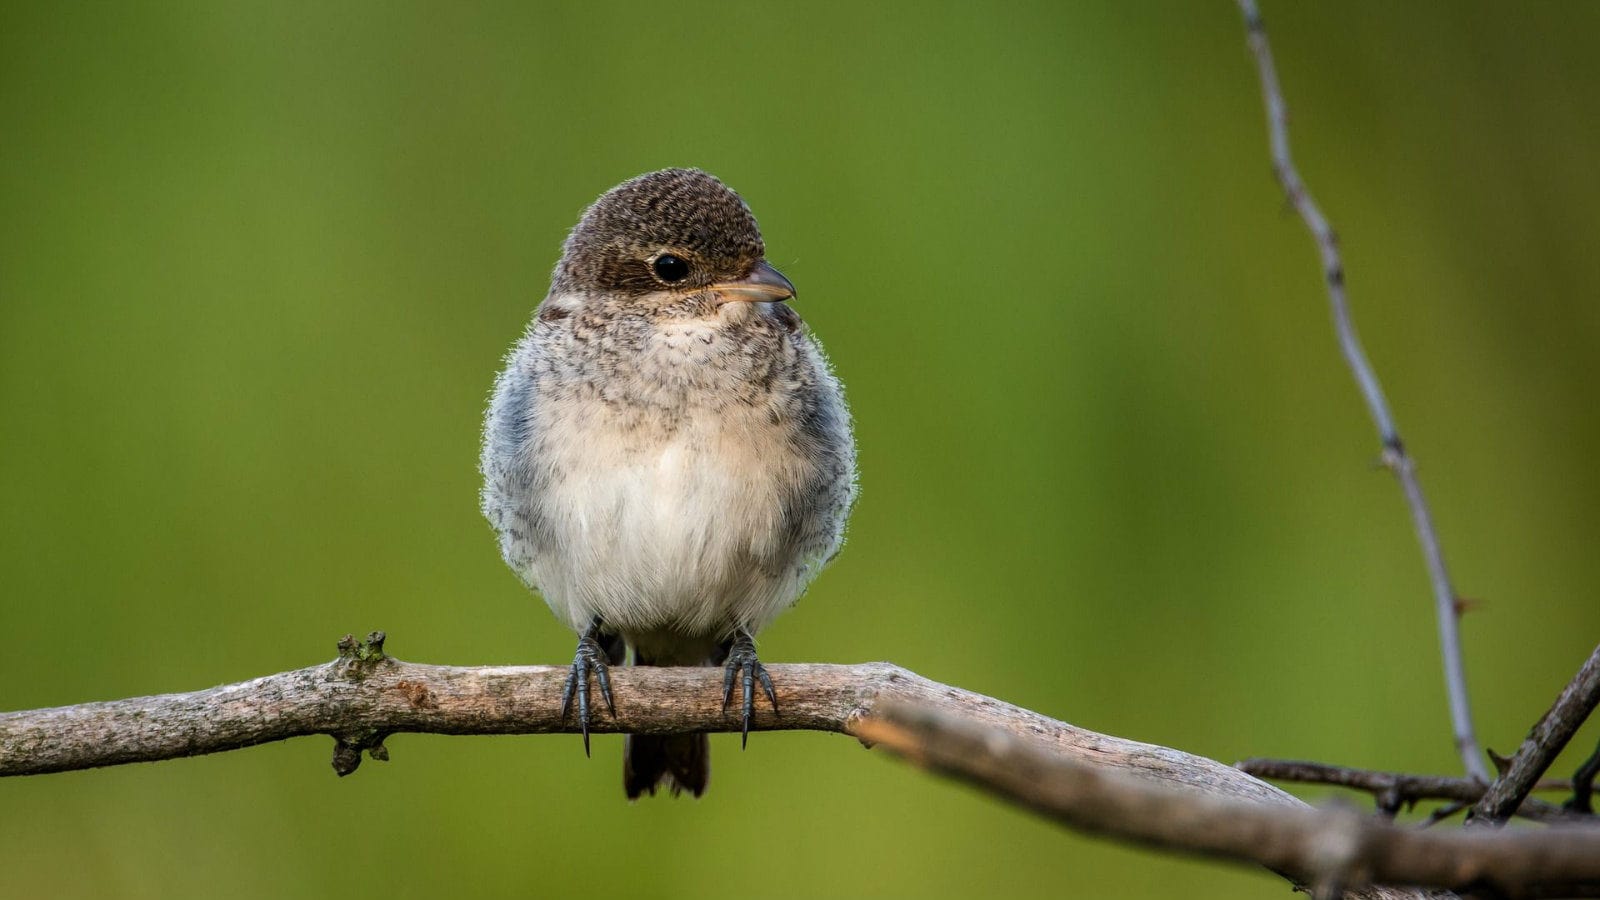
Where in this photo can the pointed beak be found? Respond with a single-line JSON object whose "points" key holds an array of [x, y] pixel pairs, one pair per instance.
{"points": [[763, 284]]}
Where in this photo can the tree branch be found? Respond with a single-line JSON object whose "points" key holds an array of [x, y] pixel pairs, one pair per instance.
{"points": [[1394, 452], [1177, 798], [1543, 744], [365, 695], [1583, 783], [1392, 790], [1330, 849]]}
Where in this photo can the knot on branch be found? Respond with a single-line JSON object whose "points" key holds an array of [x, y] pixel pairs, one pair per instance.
{"points": [[357, 658], [347, 749]]}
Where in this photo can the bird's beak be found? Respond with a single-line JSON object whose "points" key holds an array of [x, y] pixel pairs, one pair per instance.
{"points": [[764, 283]]}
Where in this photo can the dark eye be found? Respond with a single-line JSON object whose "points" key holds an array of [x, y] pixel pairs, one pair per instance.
{"points": [[670, 268]]}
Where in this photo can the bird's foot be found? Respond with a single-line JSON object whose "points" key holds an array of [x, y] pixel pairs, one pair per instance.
{"points": [[592, 657], [742, 661]]}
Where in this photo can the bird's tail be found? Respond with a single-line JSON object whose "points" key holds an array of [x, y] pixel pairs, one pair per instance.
{"points": [[681, 762]]}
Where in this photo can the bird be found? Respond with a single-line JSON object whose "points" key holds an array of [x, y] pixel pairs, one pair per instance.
{"points": [[668, 458]]}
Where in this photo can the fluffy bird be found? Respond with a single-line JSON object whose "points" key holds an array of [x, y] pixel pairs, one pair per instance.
{"points": [[667, 457]]}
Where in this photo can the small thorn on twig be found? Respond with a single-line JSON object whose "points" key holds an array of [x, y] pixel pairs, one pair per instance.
{"points": [[1390, 802], [1392, 458], [1501, 763], [1464, 605]]}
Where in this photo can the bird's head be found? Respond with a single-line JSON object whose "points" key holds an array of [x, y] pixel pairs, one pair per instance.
{"points": [[667, 236]]}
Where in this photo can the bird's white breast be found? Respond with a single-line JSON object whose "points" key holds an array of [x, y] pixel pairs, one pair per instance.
{"points": [[666, 520]]}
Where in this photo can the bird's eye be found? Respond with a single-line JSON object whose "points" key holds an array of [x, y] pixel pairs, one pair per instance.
{"points": [[670, 268]]}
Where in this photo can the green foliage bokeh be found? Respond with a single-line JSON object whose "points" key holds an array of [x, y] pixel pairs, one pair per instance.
{"points": [[259, 262]]}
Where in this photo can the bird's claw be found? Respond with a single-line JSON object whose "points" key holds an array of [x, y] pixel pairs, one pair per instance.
{"points": [[590, 658], [742, 664]]}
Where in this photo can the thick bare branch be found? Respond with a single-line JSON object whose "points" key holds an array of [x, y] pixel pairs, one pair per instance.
{"points": [[1394, 451], [364, 696], [1331, 849], [1543, 744]]}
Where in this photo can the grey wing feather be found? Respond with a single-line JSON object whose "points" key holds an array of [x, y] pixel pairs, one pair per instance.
{"points": [[511, 476]]}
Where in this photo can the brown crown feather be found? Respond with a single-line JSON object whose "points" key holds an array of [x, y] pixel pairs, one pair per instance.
{"points": [[683, 211]]}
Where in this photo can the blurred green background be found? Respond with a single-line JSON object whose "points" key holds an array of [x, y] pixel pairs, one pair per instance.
{"points": [[259, 263]]}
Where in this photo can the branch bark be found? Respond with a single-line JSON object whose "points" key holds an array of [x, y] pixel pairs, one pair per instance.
{"points": [[365, 695], [1543, 744], [1332, 850], [1395, 456]]}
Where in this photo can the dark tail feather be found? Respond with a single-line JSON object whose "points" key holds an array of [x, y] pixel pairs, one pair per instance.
{"points": [[682, 761]]}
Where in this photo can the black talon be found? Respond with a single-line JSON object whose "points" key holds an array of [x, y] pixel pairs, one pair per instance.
{"points": [[602, 674], [766, 687], [729, 673], [749, 674], [742, 661], [591, 657]]}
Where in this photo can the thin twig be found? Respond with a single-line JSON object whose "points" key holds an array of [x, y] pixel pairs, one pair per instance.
{"points": [[1394, 452], [1442, 813], [1583, 783], [1396, 789], [1313, 847], [1543, 744]]}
